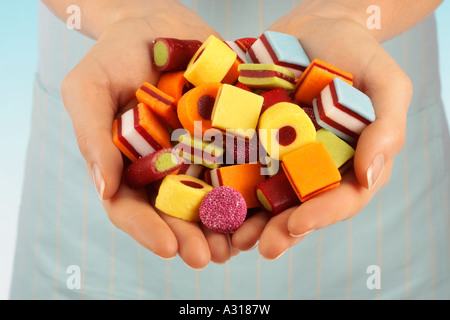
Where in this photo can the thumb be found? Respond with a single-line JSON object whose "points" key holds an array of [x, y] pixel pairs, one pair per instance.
{"points": [[383, 139], [92, 110]]}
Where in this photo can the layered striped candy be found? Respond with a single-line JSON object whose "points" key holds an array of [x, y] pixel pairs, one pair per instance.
{"points": [[138, 132], [343, 110], [163, 105], [197, 151], [315, 78], [266, 76], [238, 49], [280, 49]]}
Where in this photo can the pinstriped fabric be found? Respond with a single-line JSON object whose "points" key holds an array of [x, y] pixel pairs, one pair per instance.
{"points": [[404, 230]]}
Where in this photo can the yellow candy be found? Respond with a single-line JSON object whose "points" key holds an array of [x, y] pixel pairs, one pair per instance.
{"points": [[339, 150], [180, 196], [211, 62], [285, 127], [266, 76], [236, 110]]}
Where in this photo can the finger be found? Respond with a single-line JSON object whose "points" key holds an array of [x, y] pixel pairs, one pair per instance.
{"points": [[334, 205], [92, 110], [130, 211], [383, 139], [193, 247], [219, 245], [248, 234], [275, 239]]}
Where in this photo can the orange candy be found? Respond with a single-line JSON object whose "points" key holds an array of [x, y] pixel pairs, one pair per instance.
{"points": [[138, 132], [173, 83], [311, 170], [161, 103], [233, 74], [242, 177], [315, 78], [195, 107]]}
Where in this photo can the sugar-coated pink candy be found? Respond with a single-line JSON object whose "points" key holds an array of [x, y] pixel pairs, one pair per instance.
{"points": [[223, 210]]}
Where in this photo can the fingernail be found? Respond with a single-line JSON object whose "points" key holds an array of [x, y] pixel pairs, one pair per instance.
{"points": [[304, 234], [254, 246], [374, 171], [98, 180], [272, 259]]}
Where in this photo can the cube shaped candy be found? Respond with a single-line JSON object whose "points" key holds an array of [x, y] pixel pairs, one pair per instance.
{"points": [[311, 170], [343, 110], [180, 196], [210, 63], [315, 78], [236, 111], [281, 49], [198, 151], [266, 76], [138, 132], [174, 84], [285, 127], [341, 152], [241, 177], [160, 103]]}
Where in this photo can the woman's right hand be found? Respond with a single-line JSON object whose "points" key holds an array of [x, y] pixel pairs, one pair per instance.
{"points": [[102, 85]]}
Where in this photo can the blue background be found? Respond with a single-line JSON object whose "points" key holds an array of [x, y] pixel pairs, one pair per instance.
{"points": [[18, 61]]}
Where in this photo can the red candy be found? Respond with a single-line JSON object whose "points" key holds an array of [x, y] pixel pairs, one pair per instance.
{"points": [[276, 194], [273, 97], [170, 54], [152, 167]]}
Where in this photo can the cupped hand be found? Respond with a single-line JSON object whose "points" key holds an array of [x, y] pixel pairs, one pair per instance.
{"points": [[351, 47], [102, 86]]}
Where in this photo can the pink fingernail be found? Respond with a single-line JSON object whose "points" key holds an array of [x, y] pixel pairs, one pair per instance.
{"points": [[374, 171], [98, 180], [304, 234]]}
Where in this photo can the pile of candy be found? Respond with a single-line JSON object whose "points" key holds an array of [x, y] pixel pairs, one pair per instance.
{"points": [[210, 135]]}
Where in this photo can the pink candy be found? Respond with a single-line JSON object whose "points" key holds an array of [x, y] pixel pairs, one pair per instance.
{"points": [[223, 210]]}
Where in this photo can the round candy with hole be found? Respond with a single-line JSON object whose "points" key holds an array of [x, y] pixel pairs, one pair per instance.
{"points": [[195, 108], [180, 196], [285, 127]]}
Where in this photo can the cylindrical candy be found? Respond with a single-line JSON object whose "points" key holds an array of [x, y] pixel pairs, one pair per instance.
{"points": [[285, 127], [276, 194], [171, 54], [211, 62], [180, 196], [152, 167], [195, 108]]}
